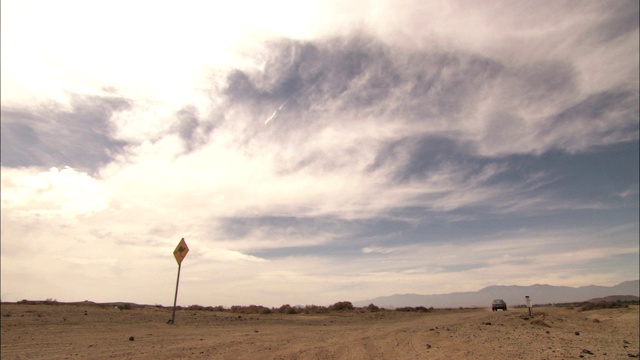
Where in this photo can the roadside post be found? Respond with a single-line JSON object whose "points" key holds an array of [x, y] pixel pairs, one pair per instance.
{"points": [[528, 304], [179, 253]]}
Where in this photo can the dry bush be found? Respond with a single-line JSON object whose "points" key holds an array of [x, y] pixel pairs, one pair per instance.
{"points": [[371, 308], [251, 309], [206, 308], [606, 305], [414, 309], [341, 306], [49, 301], [287, 309], [314, 309]]}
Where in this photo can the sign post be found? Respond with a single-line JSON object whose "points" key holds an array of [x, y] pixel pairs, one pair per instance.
{"points": [[179, 253], [528, 304]]}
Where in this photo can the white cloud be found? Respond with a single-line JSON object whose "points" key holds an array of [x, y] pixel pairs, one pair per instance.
{"points": [[377, 250], [56, 192], [496, 80]]}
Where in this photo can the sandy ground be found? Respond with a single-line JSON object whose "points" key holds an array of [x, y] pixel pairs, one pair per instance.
{"points": [[93, 332]]}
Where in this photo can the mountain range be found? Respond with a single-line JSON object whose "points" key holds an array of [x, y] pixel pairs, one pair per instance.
{"points": [[512, 294]]}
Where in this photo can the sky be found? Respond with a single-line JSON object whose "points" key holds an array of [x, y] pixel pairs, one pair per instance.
{"points": [[311, 152]]}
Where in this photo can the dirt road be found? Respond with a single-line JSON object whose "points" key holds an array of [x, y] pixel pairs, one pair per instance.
{"points": [[67, 331]]}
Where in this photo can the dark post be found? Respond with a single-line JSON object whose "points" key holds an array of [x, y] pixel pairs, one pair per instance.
{"points": [[175, 299]]}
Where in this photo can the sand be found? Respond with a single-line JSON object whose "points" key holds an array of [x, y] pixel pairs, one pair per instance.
{"points": [[67, 331]]}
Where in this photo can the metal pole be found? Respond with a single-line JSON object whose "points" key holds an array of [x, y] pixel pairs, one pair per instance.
{"points": [[175, 299]]}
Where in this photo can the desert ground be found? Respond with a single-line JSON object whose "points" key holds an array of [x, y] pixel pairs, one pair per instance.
{"points": [[76, 331]]}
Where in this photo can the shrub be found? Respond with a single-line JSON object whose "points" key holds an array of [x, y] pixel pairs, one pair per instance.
{"points": [[604, 305], [414, 309], [251, 309], [287, 309], [314, 309], [341, 306], [372, 308]]}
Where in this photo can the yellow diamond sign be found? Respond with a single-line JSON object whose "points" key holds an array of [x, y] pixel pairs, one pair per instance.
{"points": [[181, 251]]}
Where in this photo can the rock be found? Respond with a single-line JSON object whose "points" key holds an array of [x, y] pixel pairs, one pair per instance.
{"points": [[428, 346], [131, 338], [540, 322], [486, 323], [585, 351], [577, 333]]}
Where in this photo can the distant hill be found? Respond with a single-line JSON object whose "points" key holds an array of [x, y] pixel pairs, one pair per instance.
{"points": [[513, 295], [615, 298]]}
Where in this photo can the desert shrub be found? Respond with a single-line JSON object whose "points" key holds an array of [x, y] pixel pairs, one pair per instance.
{"points": [[264, 310], [251, 309], [287, 309], [195, 307], [341, 306], [125, 307], [372, 308], [314, 309], [605, 305], [414, 309]]}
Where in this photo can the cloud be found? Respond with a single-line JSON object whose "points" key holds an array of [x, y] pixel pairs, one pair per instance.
{"points": [[492, 107], [349, 148], [67, 193], [376, 250], [82, 137]]}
